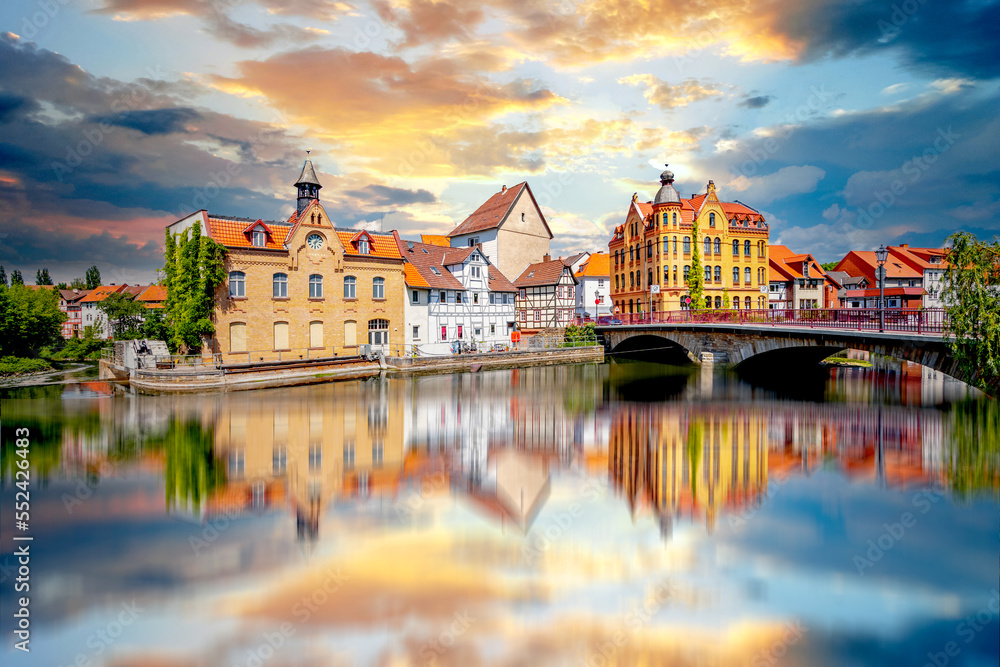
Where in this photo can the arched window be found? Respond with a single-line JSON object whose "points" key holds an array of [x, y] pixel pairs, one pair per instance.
{"points": [[363, 246], [316, 286], [649, 277], [736, 247], [631, 279], [748, 303], [616, 282], [763, 248], [350, 287], [630, 306], [631, 254], [378, 288], [718, 246], [736, 303], [237, 284], [708, 273], [687, 274], [708, 302], [687, 245], [280, 286], [708, 246], [746, 247], [718, 302], [746, 275], [649, 248], [378, 332], [718, 274], [736, 275], [711, 219], [675, 221], [666, 274], [675, 243], [675, 274]]}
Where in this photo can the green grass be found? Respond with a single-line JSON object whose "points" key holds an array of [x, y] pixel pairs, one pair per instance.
{"points": [[22, 366]]}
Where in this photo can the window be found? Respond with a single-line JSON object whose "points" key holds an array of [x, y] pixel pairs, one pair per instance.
{"points": [[280, 286], [414, 296], [493, 299], [748, 302], [718, 274], [538, 316], [458, 297], [687, 273], [718, 246], [350, 287], [281, 336], [477, 333], [708, 246], [378, 332], [718, 302], [435, 271], [687, 245], [348, 456], [315, 286], [378, 454], [736, 248], [736, 303], [631, 253], [736, 275], [711, 223], [444, 333], [473, 241], [476, 273], [237, 462], [675, 224], [475, 298], [434, 296], [237, 284], [675, 274], [416, 332], [708, 273], [569, 291], [708, 302], [279, 460], [315, 334], [259, 238], [363, 246], [522, 293], [649, 277], [315, 457], [616, 282], [805, 269], [746, 247], [378, 288], [460, 331], [649, 248], [746, 275], [237, 337]]}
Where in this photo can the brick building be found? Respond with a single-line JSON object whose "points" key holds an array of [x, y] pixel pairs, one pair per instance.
{"points": [[302, 287]]}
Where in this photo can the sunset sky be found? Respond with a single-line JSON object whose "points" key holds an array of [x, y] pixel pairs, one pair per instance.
{"points": [[848, 124]]}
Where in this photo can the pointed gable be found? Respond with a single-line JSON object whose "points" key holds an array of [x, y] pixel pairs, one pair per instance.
{"points": [[495, 211]]}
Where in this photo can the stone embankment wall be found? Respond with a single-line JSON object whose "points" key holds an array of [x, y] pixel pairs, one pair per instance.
{"points": [[496, 360]]}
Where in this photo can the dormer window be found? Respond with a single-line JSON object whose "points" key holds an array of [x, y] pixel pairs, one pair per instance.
{"points": [[259, 238], [805, 269], [363, 247]]}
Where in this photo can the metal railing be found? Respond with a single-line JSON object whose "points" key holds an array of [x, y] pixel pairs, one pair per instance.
{"points": [[931, 321], [291, 354], [186, 361]]}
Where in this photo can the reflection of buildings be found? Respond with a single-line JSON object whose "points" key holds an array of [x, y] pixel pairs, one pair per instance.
{"points": [[678, 463]]}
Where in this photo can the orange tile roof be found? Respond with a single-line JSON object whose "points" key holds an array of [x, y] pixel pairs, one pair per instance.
{"points": [[380, 245], [413, 277], [103, 292], [597, 266], [153, 293], [236, 233], [864, 263], [542, 273], [782, 260], [435, 239]]}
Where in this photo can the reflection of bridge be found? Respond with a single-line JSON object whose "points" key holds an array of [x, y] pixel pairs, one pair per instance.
{"points": [[749, 337]]}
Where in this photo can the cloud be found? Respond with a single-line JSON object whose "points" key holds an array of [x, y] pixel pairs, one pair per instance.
{"points": [[152, 121], [666, 96], [757, 101], [383, 195], [424, 22], [785, 182]]}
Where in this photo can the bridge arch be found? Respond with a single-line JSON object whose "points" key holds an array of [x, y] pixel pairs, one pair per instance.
{"points": [[659, 346]]}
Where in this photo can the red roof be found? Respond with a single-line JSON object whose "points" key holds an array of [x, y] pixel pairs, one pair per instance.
{"points": [[436, 239], [498, 281], [380, 245], [103, 292], [495, 210], [153, 293], [864, 263], [542, 273], [597, 265], [237, 233]]}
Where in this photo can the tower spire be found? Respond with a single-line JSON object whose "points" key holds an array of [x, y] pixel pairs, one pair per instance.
{"points": [[308, 185]]}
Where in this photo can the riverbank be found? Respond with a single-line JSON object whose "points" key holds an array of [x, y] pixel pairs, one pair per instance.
{"points": [[240, 377]]}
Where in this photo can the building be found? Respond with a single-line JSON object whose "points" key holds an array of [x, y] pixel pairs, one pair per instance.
{"points": [[69, 304], [302, 287], [546, 295], [903, 283], [90, 315], [510, 227], [933, 263], [797, 281], [454, 296], [593, 297], [651, 253]]}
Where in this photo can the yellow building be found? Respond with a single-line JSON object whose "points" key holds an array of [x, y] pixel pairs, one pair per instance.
{"points": [[652, 252]]}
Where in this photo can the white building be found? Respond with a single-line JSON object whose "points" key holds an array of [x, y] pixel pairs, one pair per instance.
{"points": [[454, 297], [593, 296], [933, 263]]}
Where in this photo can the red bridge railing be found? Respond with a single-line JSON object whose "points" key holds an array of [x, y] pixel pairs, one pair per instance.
{"points": [[910, 320]]}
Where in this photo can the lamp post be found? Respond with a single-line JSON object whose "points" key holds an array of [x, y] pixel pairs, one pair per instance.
{"points": [[881, 255]]}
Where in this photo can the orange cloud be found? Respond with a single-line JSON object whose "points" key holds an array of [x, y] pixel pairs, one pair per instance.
{"points": [[666, 96]]}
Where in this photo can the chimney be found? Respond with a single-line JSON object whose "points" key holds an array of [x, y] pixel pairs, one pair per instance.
{"points": [[546, 257], [503, 189], [904, 245]]}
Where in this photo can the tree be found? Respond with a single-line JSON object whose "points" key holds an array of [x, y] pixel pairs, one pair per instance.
{"points": [[125, 315], [3, 277], [78, 284], [42, 277], [829, 266], [155, 325], [61, 286], [93, 278], [194, 266], [696, 281], [29, 320], [972, 292], [15, 278]]}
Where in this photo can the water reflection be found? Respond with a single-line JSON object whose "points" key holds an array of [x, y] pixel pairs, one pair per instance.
{"points": [[550, 503]]}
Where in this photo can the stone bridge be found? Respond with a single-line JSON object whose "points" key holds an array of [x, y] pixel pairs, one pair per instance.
{"points": [[781, 348]]}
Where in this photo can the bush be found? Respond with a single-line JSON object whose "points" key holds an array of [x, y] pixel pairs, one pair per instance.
{"points": [[80, 349], [20, 366]]}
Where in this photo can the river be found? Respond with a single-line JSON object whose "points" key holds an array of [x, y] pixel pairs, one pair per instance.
{"points": [[614, 514]]}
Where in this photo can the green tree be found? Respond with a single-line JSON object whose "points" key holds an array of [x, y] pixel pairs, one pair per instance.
{"points": [[93, 278], [194, 266], [62, 286], [15, 278], [78, 284], [972, 295], [725, 298], [3, 277], [696, 281], [29, 320], [155, 325], [192, 471], [42, 277], [124, 314], [829, 266]]}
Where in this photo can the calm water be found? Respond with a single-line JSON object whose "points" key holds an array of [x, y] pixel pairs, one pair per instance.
{"points": [[620, 514]]}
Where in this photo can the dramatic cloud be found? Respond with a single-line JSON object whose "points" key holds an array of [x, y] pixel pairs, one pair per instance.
{"points": [[667, 96], [152, 121], [778, 185], [756, 102], [423, 21]]}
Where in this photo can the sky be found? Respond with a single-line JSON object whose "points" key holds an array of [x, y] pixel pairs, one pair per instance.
{"points": [[847, 124]]}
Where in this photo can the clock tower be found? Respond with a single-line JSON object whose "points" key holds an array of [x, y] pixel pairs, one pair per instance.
{"points": [[308, 185]]}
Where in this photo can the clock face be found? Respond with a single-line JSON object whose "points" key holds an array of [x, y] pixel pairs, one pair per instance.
{"points": [[314, 241]]}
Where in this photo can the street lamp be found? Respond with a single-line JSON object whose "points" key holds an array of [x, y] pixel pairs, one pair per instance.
{"points": [[881, 255]]}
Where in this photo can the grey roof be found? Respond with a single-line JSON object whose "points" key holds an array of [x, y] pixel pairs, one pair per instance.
{"points": [[667, 194], [308, 175]]}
